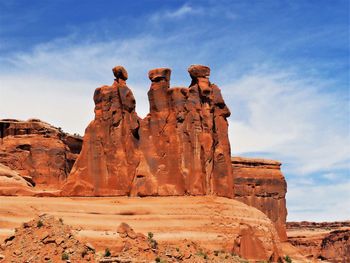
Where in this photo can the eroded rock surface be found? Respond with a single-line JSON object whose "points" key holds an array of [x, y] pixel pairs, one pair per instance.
{"points": [[180, 148], [11, 183], [196, 225], [328, 241], [39, 152], [261, 184]]}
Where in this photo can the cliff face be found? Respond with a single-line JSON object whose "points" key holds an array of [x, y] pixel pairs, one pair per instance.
{"points": [[39, 152], [180, 148], [329, 241], [261, 184]]}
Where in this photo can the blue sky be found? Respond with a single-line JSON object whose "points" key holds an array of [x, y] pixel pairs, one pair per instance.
{"points": [[283, 67]]}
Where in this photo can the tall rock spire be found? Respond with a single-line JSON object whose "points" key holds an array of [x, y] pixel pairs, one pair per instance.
{"points": [[180, 148]]}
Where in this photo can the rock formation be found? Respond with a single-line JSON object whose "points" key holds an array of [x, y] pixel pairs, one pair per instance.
{"points": [[44, 239], [329, 241], [214, 223], [180, 148], [39, 152], [261, 184], [11, 183]]}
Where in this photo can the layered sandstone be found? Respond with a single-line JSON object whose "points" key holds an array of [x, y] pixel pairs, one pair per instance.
{"points": [[261, 184], [180, 148], [328, 241], [39, 152], [214, 223]]}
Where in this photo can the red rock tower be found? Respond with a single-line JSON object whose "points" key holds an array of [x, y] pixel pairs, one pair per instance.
{"points": [[180, 148]]}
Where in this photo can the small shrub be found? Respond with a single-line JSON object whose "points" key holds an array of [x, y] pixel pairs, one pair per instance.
{"points": [[202, 254], [152, 242], [216, 253], [40, 223], [288, 259], [159, 260], [107, 252], [65, 256]]}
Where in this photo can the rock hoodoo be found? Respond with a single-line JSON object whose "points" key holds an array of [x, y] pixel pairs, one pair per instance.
{"points": [[180, 148], [109, 157]]}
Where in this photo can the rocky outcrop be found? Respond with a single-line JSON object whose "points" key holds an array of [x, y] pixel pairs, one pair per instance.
{"points": [[39, 152], [11, 183], [329, 241], [180, 148], [261, 184], [44, 239]]}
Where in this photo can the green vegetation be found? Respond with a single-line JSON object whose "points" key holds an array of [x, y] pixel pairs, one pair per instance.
{"points": [[160, 260], [65, 256], [107, 252], [288, 259], [202, 254], [40, 223], [153, 243]]}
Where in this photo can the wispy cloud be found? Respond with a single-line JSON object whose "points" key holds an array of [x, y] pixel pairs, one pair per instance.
{"points": [[292, 118], [178, 13], [318, 202]]}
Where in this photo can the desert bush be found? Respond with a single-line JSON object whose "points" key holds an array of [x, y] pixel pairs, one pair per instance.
{"points": [[65, 256], [288, 259], [153, 243], [40, 223], [107, 252], [202, 254]]}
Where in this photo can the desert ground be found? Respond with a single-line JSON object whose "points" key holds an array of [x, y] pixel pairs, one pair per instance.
{"points": [[207, 219]]}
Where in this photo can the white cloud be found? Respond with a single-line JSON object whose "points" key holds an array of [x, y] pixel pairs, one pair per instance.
{"points": [[291, 118], [175, 14], [319, 202]]}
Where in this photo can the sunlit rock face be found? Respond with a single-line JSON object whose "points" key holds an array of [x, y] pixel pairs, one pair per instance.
{"points": [[261, 184], [180, 148], [38, 151]]}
